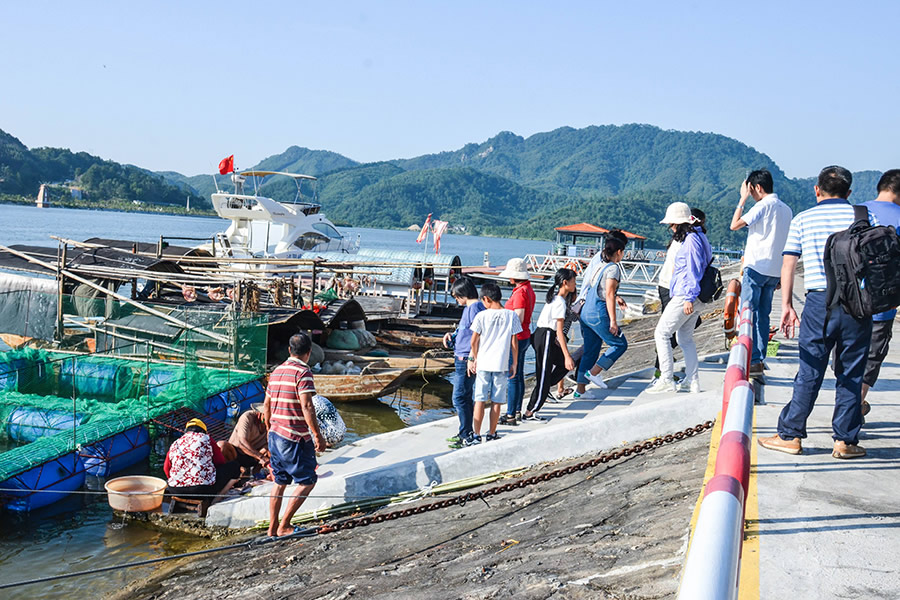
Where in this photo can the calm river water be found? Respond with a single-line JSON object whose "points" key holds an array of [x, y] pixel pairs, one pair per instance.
{"points": [[80, 533]]}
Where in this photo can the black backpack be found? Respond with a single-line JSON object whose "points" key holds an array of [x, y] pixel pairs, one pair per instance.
{"points": [[862, 267], [710, 284]]}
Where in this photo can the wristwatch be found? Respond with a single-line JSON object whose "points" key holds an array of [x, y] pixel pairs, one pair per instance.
{"points": [[471, 359]]}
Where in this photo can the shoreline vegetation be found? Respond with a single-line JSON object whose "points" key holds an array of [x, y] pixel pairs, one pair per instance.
{"points": [[112, 206], [124, 206]]}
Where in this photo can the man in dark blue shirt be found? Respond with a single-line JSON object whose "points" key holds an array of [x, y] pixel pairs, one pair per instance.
{"points": [[886, 207]]}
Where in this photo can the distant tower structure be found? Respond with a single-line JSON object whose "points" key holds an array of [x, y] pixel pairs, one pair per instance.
{"points": [[43, 199], [187, 208]]}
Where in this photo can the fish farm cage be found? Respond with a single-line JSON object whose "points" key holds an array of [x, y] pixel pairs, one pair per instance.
{"points": [[90, 401]]}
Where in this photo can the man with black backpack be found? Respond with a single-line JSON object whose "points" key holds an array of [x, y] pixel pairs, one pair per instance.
{"points": [[822, 328], [886, 207]]}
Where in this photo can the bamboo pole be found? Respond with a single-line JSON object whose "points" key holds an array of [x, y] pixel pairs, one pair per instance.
{"points": [[129, 338], [117, 296]]}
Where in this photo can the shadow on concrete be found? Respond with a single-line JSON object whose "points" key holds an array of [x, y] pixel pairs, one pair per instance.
{"points": [[757, 528], [399, 476]]}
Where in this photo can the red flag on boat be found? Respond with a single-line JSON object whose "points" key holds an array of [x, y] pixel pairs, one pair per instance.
{"points": [[439, 227], [424, 232], [226, 165]]}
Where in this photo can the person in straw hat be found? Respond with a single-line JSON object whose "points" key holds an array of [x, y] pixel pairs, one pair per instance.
{"points": [[522, 302], [680, 316]]}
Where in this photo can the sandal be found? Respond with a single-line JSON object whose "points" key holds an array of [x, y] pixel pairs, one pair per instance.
{"points": [[566, 392]]}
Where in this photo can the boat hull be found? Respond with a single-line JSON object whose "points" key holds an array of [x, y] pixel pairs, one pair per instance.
{"points": [[365, 386]]}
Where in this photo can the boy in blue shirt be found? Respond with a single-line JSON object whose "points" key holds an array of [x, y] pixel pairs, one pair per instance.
{"points": [[463, 290]]}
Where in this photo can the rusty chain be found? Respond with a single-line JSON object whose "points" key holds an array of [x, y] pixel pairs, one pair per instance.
{"points": [[462, 499]]}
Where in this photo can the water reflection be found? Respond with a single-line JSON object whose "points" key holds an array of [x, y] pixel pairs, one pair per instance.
{"points": [[79, 533], [416, 402]]}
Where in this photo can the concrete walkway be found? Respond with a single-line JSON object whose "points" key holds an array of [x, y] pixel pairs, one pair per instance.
{"points": [[828, 528], [413, 458]]}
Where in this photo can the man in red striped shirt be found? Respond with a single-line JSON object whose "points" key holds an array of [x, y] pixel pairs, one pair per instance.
{"points": [[294, 436]]}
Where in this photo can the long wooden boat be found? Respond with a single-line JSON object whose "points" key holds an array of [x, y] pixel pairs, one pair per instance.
{"points": [[422, 364], [367, 385], [408, 340]]}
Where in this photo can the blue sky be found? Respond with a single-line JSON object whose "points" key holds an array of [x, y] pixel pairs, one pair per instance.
{"points": [[178, 85]]}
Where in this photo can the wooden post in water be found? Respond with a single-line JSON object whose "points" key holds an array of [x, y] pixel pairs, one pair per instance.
{"points": [[134, 281], [61, 282], [312, 293]]}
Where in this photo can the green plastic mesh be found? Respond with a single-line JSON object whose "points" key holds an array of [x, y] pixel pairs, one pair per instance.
{"points": [[109, 395], [114, 366]]}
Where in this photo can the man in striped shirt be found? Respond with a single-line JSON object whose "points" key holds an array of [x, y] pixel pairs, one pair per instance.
{"points": [[806, 241], [294, 436]]}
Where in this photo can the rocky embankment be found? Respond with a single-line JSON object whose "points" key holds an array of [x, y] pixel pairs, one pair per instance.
{"points": [[614, 531]]}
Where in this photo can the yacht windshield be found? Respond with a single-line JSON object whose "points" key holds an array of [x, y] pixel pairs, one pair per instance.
{"points": [[328, 230]]}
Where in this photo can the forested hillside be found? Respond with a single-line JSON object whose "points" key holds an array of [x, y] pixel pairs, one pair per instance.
{"points": [[22, 171], [614, 176]]}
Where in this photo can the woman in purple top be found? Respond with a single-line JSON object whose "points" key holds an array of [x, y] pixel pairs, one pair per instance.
{"points": [[680, 316], [463, 290]]}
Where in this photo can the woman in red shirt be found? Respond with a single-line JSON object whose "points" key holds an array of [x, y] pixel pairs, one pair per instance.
{"points": [[521, 302]]}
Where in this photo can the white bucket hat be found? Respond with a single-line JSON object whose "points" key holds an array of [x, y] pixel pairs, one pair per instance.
{"points": [[515, 269], [677, 213]]}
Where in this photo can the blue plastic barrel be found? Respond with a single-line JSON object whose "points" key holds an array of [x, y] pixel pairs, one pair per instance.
{"points": [[161, 380], [27, 424], [17, 370], [64, 474], [90, 379], [217, 406], [117, 452]]}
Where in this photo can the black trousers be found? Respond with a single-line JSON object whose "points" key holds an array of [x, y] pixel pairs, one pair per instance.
{"points": [[224, 473], [549, 367]]}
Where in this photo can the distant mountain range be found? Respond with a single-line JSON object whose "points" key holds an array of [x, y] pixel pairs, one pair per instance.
{"points": [[614, 176]]}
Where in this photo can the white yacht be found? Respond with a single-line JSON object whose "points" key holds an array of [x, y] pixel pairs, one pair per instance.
{"points": [[264, 228]]}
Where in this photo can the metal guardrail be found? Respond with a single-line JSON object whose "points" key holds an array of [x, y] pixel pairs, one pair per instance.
{"points": [[641, 267], [712, 568]]}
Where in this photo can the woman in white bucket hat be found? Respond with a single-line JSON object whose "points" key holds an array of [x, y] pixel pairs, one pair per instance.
{"points": [[679, 316], [521, 302]]}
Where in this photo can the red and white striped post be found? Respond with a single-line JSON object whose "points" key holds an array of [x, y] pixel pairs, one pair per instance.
{"points": [[710, 572], [712, 568]]}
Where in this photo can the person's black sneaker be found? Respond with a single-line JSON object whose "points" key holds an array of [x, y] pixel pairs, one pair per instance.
{"points": [[472, 441], [527, 417], [491, 437], [508, 420]]}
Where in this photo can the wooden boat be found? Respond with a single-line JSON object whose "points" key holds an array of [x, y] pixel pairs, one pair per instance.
{"points": [[408, 340], [372, 383], [422, 364]]}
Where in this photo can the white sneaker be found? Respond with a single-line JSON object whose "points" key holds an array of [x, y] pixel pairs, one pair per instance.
{"points": [[662, 387], [596, 380], [589, 394], [695, 386]]}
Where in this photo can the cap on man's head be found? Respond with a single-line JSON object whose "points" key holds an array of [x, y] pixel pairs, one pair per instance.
{"points": [[196, 423]]}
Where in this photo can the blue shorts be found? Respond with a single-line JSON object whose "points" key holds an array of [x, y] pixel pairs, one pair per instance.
{"points": [[292, 461]]}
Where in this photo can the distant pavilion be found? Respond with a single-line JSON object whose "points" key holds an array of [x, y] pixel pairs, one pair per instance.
{"points": [[585, 239]]}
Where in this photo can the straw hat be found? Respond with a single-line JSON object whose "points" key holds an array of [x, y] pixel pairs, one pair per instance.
{"points": [[515, 269], [677, 213]]}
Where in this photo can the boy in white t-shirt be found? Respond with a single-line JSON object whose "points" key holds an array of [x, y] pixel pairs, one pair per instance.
{"points": [[493, 337]]}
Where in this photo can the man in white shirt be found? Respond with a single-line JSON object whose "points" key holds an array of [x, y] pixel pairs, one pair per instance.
{"points": [[767, 223]]}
